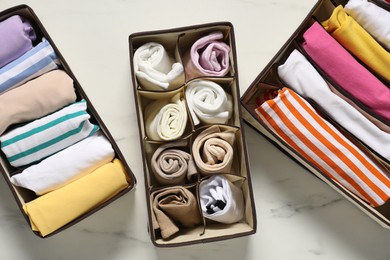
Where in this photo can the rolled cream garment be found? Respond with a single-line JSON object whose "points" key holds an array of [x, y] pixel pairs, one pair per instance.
{"points": [[66, 166], [55, 209], [296, 122], [171, 165], [208, 56], [358, 41], [166, 120], [345, 71], [174, 207], [213, 151], [208, 102], [16, 37], [371, 17], [155, 69], [36, 98], [47, 135], [221, 200], [32, 64], [301, 76]]}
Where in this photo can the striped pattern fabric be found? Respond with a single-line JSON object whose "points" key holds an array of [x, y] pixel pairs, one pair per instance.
{"points": [[32, 64], [296, 122], [48, 135]]}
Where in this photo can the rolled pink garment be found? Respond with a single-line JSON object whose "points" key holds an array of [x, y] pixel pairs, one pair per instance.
{"points": [[16, 36], [208, 56], [349, 74]]}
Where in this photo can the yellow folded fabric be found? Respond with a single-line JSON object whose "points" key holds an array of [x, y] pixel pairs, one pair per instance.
{"points": [[59, 207], [358, 41]]}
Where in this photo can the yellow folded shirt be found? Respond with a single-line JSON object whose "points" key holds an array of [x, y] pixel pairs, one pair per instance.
{"points": [[358, 41], [59, 207]]}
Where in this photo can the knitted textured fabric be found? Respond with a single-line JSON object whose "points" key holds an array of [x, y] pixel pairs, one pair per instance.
{"points": [[57, 208], [296, 122], [66, 166], [208, 102], [36, 98], [208, 56], [155, 69], [16, 36]]}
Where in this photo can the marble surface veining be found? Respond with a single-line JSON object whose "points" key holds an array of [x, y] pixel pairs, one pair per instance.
{"points": [[299, 217]]}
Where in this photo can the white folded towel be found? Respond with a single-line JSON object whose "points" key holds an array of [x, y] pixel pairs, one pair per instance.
{"points": [[166, 120], [67, 165], [221, 200], [208, 102], [47, 135], [155, 69], [301, 76], [371, 17]]}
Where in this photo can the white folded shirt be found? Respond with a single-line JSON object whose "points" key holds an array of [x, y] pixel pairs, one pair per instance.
{"points": [[67, 165], [208, 102], [221, 200], [301, 76], [155, 69]]}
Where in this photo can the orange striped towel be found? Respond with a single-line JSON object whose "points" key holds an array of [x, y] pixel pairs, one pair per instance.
{"points": [[296, 122]]}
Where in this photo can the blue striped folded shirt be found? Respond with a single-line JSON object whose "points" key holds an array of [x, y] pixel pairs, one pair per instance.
{"points": [[47, 135], [32, 64]]}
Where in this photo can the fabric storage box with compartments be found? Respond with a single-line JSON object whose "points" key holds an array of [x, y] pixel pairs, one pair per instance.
{"points": [[324, 100], [197, 180], [57, 156]]}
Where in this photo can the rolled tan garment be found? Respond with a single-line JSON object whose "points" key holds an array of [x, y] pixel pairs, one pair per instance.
{"points": [[213, 151], [171, 165], [36, 98], [174, 207]]}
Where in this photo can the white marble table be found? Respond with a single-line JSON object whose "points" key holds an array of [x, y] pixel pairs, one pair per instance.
{"points": [[298, 216]]}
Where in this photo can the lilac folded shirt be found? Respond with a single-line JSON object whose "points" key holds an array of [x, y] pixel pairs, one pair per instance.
{"points": [[208, 56], [16, 36], [349, 74]]}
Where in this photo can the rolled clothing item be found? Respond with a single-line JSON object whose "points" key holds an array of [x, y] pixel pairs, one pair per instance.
{"points": [[358, 42], [296, 122], [55, 209], [155, 69], [300, 75], [166, 120], [208, 56], [345, 71], [36, 98], [213, 151], [371, 17], [67, 165], [171, 165], [32, 64], [208, 102], [221, 200], [16, 37], [172, 208], [47, 135]]}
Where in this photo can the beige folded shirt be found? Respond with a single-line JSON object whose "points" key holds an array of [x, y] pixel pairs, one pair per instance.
{"points": [[36, 98]]}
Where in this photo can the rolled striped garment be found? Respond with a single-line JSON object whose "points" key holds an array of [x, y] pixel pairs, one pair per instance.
{"points": [[32, 64], [296, 122], [48, 135]]}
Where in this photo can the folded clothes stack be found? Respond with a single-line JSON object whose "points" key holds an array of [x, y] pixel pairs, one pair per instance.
{"points": [[339, 65], [46, 133]]}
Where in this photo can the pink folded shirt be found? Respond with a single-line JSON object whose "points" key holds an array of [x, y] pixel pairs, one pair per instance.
{"points": [[345, 71]]}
